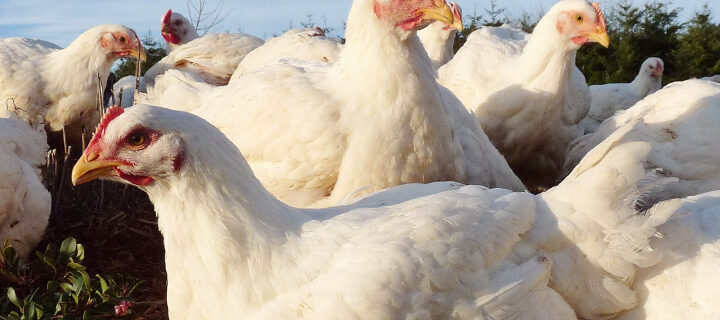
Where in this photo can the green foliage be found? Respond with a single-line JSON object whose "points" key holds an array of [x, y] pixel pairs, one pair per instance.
{"points": [[698, 50], [56, 285], [154, 51]]}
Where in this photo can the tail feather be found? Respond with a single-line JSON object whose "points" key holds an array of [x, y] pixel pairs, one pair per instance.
{"points": [[631, 240]]}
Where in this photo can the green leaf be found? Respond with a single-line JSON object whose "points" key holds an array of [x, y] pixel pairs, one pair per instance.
{"points": [[86, 279], [66, 287], [9, 255], [76, 266], [51, 252], [13, 297], [68, 247], [135, 287], [52, 286], [103, 284], [29, 310], [46, 260], [80, 252], [77, 284], [58, 305]]}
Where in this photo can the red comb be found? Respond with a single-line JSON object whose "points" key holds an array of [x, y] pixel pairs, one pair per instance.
{"points": [[110, 114], [600, 16], [457, 12], [166, 17]]}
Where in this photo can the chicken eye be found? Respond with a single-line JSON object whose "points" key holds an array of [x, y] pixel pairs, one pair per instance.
{"points": [[137, 139], [122, 39], [579, 18]]}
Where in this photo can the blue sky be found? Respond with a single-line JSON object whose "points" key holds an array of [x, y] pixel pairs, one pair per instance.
{"points": [[61, 21]]}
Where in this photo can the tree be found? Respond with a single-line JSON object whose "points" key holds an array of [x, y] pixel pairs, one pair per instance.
{"points": [[204, 18], [494, 13], [698, 54], [527, 20]]}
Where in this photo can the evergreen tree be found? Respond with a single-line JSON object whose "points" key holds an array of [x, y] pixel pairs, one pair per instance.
{"points": [[698, 52], [494, 13]]}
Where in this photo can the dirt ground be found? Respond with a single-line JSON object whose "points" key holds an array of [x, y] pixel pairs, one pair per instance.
{"points": [[118, 227]]}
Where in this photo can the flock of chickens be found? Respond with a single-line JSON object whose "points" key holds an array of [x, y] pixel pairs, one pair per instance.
{"points": [[230, 136]]}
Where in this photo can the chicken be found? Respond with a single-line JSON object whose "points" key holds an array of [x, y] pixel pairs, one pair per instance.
{"points": [[317, 134], [39, 82], [677, 122], [667, 132], [302, 44], [686, 283], [611, 97], [124, 90], [176, 30], [526, 91], [438, 38], [715, 78], [24, 201], [414, 251], [213, 57]]}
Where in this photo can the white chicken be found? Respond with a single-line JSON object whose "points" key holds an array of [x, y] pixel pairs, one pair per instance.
{"points": [[526, 91], [124, 90], [317, 133], [686, 283], [40, 82], [24, 201], [677, 122], [439, 37], [416, 251], [667, 132], [715, 78], [176, 30], [609, 98], [213, 57], [302, 44]]}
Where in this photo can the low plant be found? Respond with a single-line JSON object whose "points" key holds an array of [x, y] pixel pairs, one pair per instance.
{"points": [[55, 285]]}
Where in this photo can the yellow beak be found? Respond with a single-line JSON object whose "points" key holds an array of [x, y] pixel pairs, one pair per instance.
{"points": [[458, 25], [440, 12], [86, 171], [600, 36], [457, 17], [140, 55]]}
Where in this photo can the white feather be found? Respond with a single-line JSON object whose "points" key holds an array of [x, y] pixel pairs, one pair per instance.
{"points": [[24, 201]]}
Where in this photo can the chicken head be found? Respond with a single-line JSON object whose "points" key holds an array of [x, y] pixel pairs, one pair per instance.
{"points": [[177, 29], [128, 151], [582, 22], [122, 43], [413, 14]]}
